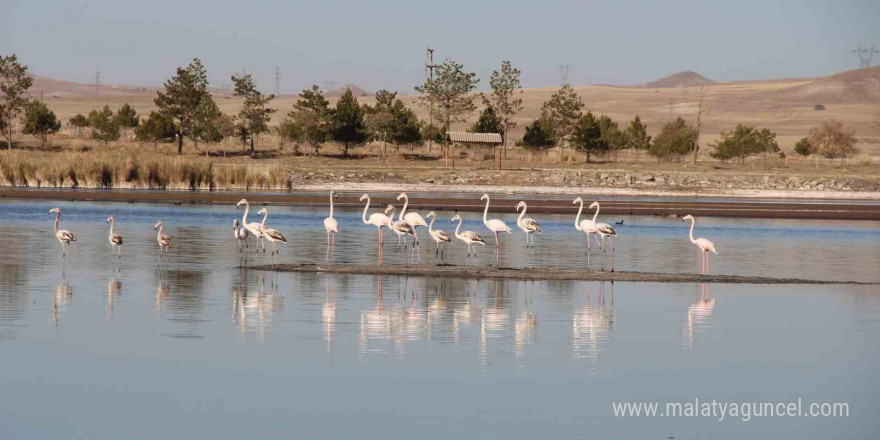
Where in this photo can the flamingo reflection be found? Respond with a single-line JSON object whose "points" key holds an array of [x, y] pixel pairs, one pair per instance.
{"points": [[699, 317], [328, 314], [591, 327], [253, 312]]}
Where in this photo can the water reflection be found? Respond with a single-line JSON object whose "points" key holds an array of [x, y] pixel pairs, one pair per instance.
{"points": [[61, 299], [591, 327], [253, 309], [114, 289], [328, 314], [699, 317]]}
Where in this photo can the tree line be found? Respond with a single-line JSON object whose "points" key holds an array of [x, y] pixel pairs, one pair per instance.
{"points": [[186, 109]]}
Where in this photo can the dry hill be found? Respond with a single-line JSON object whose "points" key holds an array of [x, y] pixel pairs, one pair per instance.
{"points": [[862, 85], [681, 79]]}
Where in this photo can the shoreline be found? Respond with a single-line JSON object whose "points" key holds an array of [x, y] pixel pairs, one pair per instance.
{"points": [[486, 272], [542, 200]]}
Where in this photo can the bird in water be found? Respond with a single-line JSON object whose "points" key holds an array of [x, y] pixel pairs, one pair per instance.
{"points": [[469, 237], [528, 225], [63, 235], [115, 239], [495, 225], [703, 244], [270, 234], [240, 233], [162, 238], [440, 237]]}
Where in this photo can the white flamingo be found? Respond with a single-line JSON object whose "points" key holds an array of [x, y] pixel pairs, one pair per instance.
{"points": [[330, 223], [528, 225], [253, 227], [400, 227], [469, 237], [270, 234], [376, 219], [240, 233], [115, 239], [162, 238], [64, 236], [495, 225], [586, 226], [702, 243], [411, 218], [603, 229], [438, 235]]}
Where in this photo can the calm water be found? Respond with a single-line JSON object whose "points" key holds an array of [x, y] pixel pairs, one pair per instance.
{"points": [[191, 347]]}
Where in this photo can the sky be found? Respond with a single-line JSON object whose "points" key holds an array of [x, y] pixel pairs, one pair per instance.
{"points": [[381, 44]]}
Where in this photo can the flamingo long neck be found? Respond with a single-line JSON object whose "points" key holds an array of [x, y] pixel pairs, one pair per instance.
{"points": [[265, 216], [331, 204], [405, 204], [112, 223], [486, 212], [458, 227], [431, 225], [161, 230], [57, 219], [522, 214], [596, 214], [247, 207], [692, 230], [577, 220], [365, 210]]}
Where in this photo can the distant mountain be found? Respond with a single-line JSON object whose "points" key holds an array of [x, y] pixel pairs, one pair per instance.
{"points": [[862, 85], [58, 88], [357, 91], [681, 79]]}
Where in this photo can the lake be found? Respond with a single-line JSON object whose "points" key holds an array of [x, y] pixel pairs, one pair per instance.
{"points": [[190, 346]]}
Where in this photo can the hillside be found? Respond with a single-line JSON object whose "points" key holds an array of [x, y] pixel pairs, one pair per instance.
{"points": [[681, 79], [862, 85], [357, 91], [58, 88]]}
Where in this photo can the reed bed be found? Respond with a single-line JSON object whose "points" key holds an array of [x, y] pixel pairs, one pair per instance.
{"points": [[108, 170]]}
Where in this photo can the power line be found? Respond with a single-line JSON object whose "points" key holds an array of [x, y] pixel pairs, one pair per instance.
{"points": [[564, 73], [429, 72], [97, 82]]}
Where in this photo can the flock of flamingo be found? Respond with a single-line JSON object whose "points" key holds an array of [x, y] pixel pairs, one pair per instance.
{"points": [[406, 224]]}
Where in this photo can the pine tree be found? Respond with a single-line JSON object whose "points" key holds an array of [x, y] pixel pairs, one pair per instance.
{"points": [[104, 126], [563, 112], [40, 121], [312, 113], [255, 114], [182, 101], [505, 89], [156, 128], [450, 91], [14, 84], [348, 122], [587, 136], [637, 137]]}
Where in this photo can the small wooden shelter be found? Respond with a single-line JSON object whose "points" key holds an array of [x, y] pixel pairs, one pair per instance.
{"points": [[491, 140]]}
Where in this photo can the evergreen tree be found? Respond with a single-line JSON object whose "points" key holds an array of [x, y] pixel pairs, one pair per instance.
{"points": [[563, 112], [127, 118], [744, 141], [405, 128], [14, 84], [156, 128], [80, 122], [40, 121], [505, 89], [611, 134], [255, 113], [449, 92], [675, 140], [104, 126], [348, 122], [488, 122], [312, 113], [182, 101], [538, 136], [637, 137], [803, 147], [587, 136]]}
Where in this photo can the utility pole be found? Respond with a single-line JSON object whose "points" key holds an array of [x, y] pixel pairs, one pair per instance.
{"points": [[97, 82], [429, 71], [277, 81], [865, 55]]}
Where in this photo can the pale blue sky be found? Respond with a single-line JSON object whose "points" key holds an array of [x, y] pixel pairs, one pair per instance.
{"points": [[381, 44]]}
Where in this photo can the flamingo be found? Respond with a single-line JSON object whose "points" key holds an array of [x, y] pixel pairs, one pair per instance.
{"points": [[330, 223], [603, 229], [271, 234], [253, 227], [115, 239], [438, 235], [240, 233], [702, 243], [469, 237], [376, 219], [528, 225], [495, 225], [586, 226], [412, 218], [64, 236], [162, 238], [400, 227]]}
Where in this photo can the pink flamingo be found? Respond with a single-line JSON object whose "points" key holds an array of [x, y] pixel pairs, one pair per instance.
{"points": [[702, 243], [376, 219]]}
